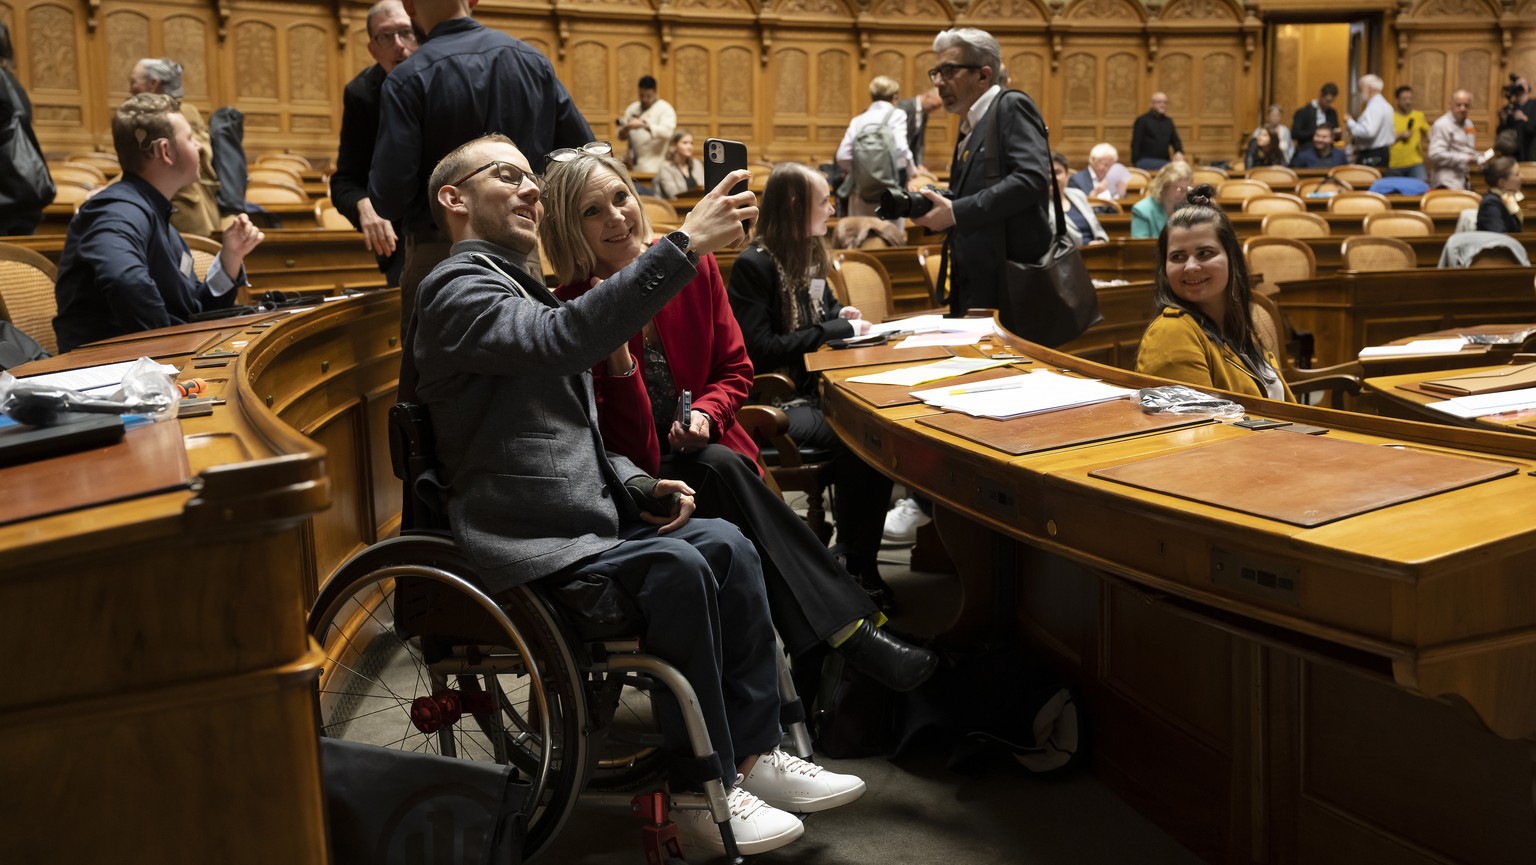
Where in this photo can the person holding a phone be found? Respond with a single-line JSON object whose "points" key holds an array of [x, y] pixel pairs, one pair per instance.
{"points": [[667, 400]]}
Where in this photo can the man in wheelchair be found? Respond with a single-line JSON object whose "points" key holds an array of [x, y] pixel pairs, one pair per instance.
{"points": [[504, 369]]}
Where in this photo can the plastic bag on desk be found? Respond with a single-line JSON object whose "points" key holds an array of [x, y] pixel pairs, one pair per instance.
{"points": [[145, 390], [1178, 399]]}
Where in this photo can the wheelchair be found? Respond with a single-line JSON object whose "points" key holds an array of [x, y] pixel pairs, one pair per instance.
{"points": [[420, 658]]}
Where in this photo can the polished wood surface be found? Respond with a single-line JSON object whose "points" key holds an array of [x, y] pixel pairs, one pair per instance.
{"points": [[1259, 688], [1397, 396], [160, 702]]}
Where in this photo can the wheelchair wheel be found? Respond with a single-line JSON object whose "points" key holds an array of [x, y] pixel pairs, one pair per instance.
{"points": [[628, 752], [418, 658]]}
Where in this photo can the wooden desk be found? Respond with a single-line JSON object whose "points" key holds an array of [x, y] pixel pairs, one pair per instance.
{"points": [[1392, 401], [158, 704], [1470, 355], [1349, 311], [1257, 722]]}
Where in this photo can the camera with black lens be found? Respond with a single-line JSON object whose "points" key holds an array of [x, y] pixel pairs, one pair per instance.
{"points": [[899, 203], [1514, 89]]}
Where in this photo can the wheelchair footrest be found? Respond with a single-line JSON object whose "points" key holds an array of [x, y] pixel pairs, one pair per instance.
{"points": [[658, 835]]}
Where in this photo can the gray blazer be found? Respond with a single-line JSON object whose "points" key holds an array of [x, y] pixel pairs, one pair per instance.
{"points": [[505, 370]]}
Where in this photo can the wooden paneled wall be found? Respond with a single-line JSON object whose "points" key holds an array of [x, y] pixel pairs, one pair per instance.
{"points": [[784, 75]]}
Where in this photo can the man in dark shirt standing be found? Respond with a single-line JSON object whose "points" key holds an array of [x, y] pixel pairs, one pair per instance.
{"points": [[390, 40], [125, 268], [1154, 137], [466, 80]]}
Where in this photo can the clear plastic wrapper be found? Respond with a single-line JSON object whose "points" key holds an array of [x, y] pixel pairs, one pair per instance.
{"points": [[146, 390], [1179, 399]]}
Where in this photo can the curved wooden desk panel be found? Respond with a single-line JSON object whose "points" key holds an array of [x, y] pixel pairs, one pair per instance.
{"points": [[1259, 723], [158, 700]]}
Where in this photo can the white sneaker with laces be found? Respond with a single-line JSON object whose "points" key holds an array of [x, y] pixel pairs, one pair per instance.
{"points": [[758, 826], [799, 786], [902, 520]]}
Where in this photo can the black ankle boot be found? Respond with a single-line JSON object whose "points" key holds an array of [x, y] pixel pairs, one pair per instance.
{"points": [[892, 662]]}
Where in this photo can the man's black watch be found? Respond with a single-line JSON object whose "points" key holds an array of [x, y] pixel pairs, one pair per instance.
{"points": [[682, 241]]}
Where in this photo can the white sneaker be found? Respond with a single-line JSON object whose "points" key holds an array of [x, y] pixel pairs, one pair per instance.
{"points": [[758, 826], [791, 784], [902, 520]]}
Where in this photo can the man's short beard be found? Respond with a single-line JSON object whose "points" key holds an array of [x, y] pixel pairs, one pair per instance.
{"points": [[499, 232]]}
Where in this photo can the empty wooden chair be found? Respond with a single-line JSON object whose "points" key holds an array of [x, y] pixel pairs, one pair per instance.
{"points": [[760, 172], [1359, 202], [1322, 187], [659, 210], [1399, 223], [26, 293], [1277, 176], [1277, 336], [1449, 201], [1206, 174], [329, 218], [866, 283], [271, 192], [1275, 260], [297, 163], [82, 172], [107, 162], [929, 258], [1358, 176], [1237, 191], [273, 174], [71, 192], [1136, 181], [1274, 202], [1372, 252], [1294, 225]]}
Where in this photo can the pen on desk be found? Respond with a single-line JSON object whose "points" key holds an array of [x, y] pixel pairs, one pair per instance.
{"points": [[983, 387]]}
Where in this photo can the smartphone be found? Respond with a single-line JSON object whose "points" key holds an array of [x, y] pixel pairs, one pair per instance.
{"points": [[721, 157], [684, 408]]}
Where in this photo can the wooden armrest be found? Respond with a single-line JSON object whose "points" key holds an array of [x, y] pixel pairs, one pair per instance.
{"points": [[762, 422], [772, 387]]}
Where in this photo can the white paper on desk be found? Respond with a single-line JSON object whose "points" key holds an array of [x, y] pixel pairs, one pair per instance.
{"points": [[934, 322], [911, 376], [941, 337], [1449, 345], [1030, 393], [92, 377], [1486, 404]]}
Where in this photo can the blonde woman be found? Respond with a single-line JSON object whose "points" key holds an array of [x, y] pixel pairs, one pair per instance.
{"points": [[1164, 195]]}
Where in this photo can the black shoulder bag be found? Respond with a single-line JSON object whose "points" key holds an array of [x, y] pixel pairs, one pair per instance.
{"points": [[1051, 301], [25, 184]]}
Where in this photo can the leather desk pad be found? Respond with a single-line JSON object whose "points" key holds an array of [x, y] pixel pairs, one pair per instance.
{"points": [[1302, 480], [149, 459], [817, 361], [1058, 429]]}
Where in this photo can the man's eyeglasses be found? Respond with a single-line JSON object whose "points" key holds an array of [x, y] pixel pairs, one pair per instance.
{"points": [[591, 148], [507, 173], [946, 71], [405, 37]]}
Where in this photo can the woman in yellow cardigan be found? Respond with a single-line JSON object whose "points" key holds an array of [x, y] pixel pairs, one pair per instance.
{"points": [[1204, 334]]}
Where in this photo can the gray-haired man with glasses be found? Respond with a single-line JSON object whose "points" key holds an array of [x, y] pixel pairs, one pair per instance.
{"points": [[464, 81], [997, 212], [391, 40]]}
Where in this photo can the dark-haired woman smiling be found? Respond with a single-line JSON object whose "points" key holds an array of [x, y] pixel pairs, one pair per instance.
{"points": [[1204, 334]]}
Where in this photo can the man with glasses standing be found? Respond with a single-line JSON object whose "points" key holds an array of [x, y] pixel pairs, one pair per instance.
{"points": [[464, 81], [991, 218], [390, 40], [125, 268]]}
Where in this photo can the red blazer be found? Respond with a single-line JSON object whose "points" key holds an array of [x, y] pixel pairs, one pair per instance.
{"points": [[703, 345]]}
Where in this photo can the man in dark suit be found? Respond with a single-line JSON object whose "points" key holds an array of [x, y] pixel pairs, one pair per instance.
{"points": [[992, 219], [1317, 113], [505, 370], [464, 81], [1154, 137], [391, 40], [918, 108]]}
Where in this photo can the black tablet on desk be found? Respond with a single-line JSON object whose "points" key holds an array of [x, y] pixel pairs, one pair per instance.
{"points": [[78, 432]]}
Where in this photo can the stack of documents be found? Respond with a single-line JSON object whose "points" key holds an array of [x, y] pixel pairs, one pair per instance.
{"points": [[911, 376], [1483, 405], [1030, 393], [91, 378], [936, 330], [1449, 345]]}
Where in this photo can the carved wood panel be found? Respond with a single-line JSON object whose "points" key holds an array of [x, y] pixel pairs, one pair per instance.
{"points": [[1027, 71], [256, 60], [1473, 71], [1220, 71], [833, 87], [589, 83], [893, 65], [1427, 76], [635, 61], [309, 72], [127, 35], [186, 39], [737, 75], [790, 95], [1079, 97], [1121, 73], [55, 60], [1175, 76], [690, 92]]}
